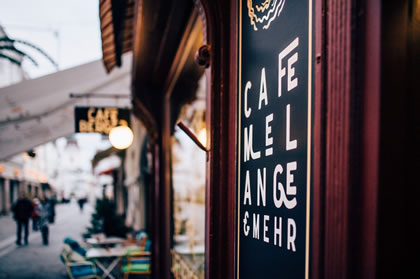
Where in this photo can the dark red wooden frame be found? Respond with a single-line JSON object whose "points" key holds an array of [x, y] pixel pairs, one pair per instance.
{"points": [[345, 138], [221, 101]]}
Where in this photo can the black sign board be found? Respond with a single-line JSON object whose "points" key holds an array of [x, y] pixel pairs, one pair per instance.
{"points": [[100, 119], [274, 138]]}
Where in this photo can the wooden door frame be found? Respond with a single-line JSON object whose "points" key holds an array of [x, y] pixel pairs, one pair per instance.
{"points": [[345, 137], [220, 30]]}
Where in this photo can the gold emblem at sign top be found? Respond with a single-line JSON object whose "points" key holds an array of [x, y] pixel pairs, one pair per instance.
{"points": [[262, 15]]}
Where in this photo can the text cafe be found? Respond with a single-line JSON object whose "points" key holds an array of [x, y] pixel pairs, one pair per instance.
{"points": [[100, 119]]}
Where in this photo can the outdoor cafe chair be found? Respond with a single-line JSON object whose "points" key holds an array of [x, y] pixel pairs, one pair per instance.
{"points": [[136, 263], [138, 258], [76, 265]]}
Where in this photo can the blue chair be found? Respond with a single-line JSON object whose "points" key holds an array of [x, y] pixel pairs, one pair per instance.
{"points": [[75, 246], [85, 270], [76, 265]]}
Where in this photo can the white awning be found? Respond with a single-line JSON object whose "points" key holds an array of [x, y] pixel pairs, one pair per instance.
{"points": [[40, 110]]}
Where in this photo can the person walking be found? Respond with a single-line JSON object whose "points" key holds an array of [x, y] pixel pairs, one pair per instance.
{"points": [[44, 215], [52, 201], [81, 201], [22, 211], [35, 217]]}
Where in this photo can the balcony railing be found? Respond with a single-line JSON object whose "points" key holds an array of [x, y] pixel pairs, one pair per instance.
{"points": [[181, 269]]}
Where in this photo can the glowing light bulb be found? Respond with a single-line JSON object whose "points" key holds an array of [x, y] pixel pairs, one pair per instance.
{"points": [[121, 137]]}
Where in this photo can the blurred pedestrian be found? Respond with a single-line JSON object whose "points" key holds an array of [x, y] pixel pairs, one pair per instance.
{"points": [[52, 201], [22, 211], [44, 212], [35, 216], [81, 201]]}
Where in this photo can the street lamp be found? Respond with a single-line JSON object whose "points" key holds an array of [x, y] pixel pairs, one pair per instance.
{"points": [[121, 137]]}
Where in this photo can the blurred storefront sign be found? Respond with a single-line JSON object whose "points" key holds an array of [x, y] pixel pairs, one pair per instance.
{"points": [[100, 119], [49, 102], [274, 122]]}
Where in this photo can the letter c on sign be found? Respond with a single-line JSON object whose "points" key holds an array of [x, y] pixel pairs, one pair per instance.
{"points": [[247, 110]]}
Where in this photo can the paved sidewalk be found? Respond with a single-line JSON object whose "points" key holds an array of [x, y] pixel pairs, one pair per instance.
{"points": [[37, 261], [7, 227]]}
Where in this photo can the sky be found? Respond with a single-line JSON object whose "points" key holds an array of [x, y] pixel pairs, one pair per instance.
{"points": [[68, 31]]}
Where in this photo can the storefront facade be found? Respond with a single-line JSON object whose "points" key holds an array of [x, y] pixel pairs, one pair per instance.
{"points": [[355, 124]]}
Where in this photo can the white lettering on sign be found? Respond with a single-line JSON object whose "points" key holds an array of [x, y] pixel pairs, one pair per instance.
{"points": [[246, 226], [291, 83], [277, 230], [261, 187], [278, 187], [247, 196], [291, 234], [290, 144], [263, 90], [277, 225], [247, 110], [256, 226], [268, 138], [290, 190], [248, 150], [285, 191], [266, 218]]}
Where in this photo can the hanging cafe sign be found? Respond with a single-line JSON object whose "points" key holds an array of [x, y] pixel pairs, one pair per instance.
{"points": [[274, 139], [100, 119]]}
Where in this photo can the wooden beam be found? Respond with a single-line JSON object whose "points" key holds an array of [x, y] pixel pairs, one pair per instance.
{"points": [[220, 115], [345, 139], [192, 31]]}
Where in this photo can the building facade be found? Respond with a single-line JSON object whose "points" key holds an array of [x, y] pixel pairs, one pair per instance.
{"points": [[360, 126]]}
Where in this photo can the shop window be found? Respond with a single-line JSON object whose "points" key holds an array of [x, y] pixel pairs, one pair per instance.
{"points": [[188, 180], [13, 191], [29, 191]]}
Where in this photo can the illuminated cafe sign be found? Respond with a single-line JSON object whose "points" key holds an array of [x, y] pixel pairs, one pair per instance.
{"points": [[274, 101], [100, 119]]}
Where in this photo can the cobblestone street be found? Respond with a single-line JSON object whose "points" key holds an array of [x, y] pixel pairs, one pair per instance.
{"points": [[37, 261]]}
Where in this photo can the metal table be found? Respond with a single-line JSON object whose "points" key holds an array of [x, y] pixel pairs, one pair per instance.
{"points": [[106, 259]]}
